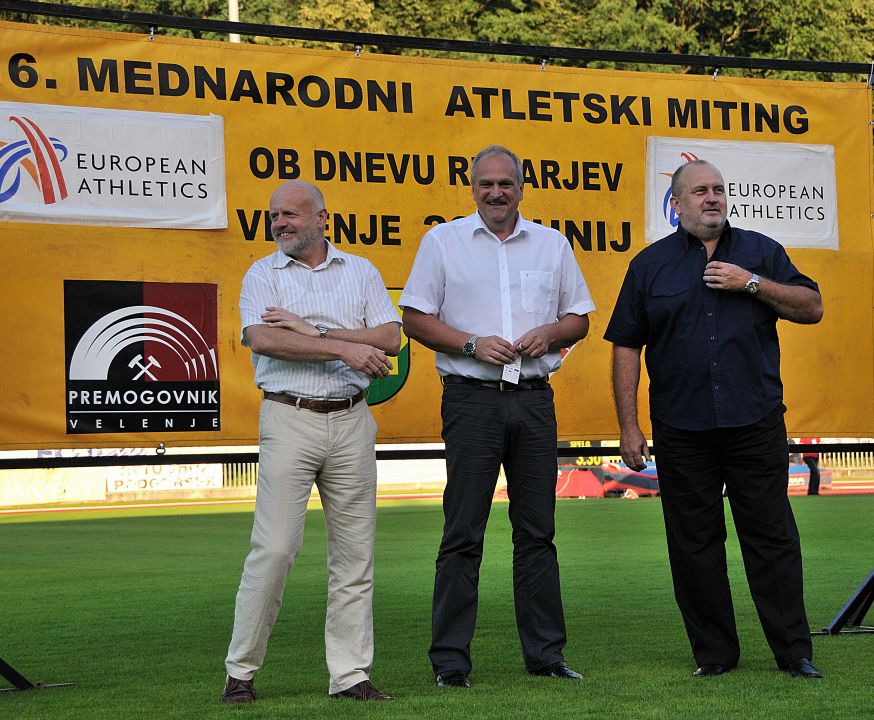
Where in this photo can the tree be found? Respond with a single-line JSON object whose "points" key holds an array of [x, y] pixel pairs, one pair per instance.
{"points": [[837, 30]]}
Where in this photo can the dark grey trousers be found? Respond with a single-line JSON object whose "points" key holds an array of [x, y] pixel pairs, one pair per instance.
{"points": [[484, 428]]}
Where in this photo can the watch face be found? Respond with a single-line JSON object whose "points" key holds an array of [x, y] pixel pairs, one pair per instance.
{"points": [[469, 348]]}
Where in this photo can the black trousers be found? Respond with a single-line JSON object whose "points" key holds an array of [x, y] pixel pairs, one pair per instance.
{"points": [[752, 462], [813, 482], [484, 428]]}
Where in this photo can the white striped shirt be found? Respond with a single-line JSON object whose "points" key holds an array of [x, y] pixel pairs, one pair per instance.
{"points": [[346, 291]]}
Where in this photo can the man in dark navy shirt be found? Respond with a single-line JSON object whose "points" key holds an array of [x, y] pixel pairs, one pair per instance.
{"points": [[705, 301]]}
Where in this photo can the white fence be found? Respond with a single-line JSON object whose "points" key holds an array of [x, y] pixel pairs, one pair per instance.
{"points": [[848, 464]]}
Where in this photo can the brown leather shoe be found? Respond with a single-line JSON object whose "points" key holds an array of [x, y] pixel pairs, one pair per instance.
{"points": [[238, 691], [362, 691]]}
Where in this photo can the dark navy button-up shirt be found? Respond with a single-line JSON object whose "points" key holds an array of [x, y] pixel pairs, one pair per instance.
{"points": [[713, 356]]}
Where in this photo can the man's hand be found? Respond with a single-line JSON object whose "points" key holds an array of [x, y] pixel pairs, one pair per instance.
{"points": [[372, 361], [495, 350], [633, 448], [626, 376], [725, 276], [279, 317], [534, 343], [796, 303]]}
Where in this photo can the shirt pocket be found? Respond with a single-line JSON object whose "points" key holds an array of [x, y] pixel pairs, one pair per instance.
{"points": [[668, 302], [537, 291], [671, 288]]}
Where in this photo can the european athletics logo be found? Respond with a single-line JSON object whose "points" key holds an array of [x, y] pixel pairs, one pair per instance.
{"points": [[667, 210], [44, 167]]}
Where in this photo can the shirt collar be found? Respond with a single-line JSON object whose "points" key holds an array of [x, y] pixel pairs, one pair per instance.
{"points": [[518, 229], [281, 260]]}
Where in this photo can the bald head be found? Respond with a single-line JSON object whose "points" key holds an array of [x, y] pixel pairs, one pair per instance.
{"points": [[297, 220], [677, 177], [698, 199], [298, 188]]}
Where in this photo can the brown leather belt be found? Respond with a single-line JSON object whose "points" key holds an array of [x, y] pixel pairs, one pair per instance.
{"points": [[319, 406], [503, 386]]}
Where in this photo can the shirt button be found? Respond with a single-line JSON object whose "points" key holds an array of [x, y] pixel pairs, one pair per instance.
{"points": [[716, 387], [713, 337], [710, 314]]}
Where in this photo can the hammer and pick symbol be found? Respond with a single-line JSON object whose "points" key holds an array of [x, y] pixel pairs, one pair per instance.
{"points": [[144, 369]]}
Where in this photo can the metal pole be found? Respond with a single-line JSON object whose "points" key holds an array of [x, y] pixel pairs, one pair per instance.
{"points": [[234, 16]]}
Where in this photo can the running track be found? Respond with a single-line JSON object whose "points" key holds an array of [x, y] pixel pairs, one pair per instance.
{"points": [[839, 487]]}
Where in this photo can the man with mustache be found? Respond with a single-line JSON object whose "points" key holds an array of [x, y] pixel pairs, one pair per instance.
{"points": [[497, 297], [705, 302], [320, 325]]}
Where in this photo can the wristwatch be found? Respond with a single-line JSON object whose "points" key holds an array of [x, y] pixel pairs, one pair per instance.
{"points": [[469, 348], [752, 286], [323, 330]]}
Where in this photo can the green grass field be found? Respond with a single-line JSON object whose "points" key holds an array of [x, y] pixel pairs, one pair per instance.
{"points": [[136, 607]]}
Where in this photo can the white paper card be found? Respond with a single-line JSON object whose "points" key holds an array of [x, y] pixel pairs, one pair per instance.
{"points": [[512, 371]]}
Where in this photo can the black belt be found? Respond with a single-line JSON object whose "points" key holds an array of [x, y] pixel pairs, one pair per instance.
{"points": [[319, 406], [501, 385]]}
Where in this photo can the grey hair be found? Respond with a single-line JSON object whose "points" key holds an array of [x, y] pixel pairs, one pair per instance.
{"points": [[497, 150]]}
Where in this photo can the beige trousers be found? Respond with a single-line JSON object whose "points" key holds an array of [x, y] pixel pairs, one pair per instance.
{"points": [[336, 451]]}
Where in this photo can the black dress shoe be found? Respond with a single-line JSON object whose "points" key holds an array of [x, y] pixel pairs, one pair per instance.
{"points": [[361, 691], [238, 691], [711, 670], [459, 680], [802, 667], [558, 669]]}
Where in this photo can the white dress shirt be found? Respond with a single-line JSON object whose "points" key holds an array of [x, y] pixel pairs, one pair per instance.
{"points": [[345, 291], [473, 282]]}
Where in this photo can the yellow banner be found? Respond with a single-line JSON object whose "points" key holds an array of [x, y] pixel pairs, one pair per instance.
{"points": [[389, 141]]}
